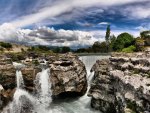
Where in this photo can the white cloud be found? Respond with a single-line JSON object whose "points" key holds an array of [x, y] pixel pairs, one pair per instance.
{"points": [[46, 36], [137, 12], [52, 37], [85, 24], [103, 23], [135, 33], [65, 6], [8, 33]]}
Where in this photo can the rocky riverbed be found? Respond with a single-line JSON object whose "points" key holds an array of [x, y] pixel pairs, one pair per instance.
{"points": [[122, 83], [67, 76]]}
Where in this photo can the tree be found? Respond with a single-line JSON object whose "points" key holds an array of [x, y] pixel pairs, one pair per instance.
{"points": [[6, 45], [145, 35], [139, 43], [57, 50], [43, 48], [100, 47], [123, 40], [96, 46], [107, 36], [65, 49], [103, 47], [112, 42]]}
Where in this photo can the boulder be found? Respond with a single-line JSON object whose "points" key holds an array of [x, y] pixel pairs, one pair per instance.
{"points": [[7, 73], [68, 77], [29, 76], [7, 80]]}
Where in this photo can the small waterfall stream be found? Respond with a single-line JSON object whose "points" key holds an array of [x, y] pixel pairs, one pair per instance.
{"points": [[43, 87], [24, 102], [20, 82]]}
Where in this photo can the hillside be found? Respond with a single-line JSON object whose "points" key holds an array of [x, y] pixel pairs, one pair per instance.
{"points": [[11, 47]]}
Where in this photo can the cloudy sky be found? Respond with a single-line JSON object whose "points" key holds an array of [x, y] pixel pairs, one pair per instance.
{"points": [[70, 22]]}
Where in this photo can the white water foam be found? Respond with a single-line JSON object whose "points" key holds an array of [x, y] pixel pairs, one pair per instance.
{"points": [[19, 79], [43, 87]]}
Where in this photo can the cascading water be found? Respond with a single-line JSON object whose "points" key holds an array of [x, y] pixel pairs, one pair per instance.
{"points": [[21, 97], [23, 102], [20, 82], [43, 87]]}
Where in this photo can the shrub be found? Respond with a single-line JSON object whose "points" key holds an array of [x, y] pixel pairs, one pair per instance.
{"points": [[6, 45], [16, 56], [139, 43], [129, 49]]}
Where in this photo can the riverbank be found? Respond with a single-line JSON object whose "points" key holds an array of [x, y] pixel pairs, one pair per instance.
{"points": [[121, 83], [93, 54]]}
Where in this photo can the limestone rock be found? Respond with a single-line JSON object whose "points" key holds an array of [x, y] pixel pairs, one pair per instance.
{"points": [[102, 90], [122, 82], [68, 75], [29, 75]]}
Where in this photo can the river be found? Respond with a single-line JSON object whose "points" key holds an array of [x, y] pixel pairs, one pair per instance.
{"points": [[43, 103]]}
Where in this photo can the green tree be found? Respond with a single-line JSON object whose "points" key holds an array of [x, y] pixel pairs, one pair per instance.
{"points": [[139, 43], [43, 48], [145, 35], [100, 47], [96, 46], [103, 47], [112, 42], [57, 50], [123, 40], [65, 49], [107, 37], [5, 45]]}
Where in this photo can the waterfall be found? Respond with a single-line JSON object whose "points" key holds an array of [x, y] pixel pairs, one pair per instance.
{"points": [[19, 79], [24, 102], [21, 99], [43, 87]]}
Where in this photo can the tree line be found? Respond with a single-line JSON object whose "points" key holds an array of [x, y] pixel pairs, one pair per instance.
{"points": [[124, 42]]}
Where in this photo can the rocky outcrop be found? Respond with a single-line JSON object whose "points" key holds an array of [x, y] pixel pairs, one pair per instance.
{"points": [[68, 75], [122, 84], [7, 80], [29, 75], [7, 73], [102, 90]]}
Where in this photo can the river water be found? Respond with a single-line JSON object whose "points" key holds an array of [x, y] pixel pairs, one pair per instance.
{"points": [[42, 103]]}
